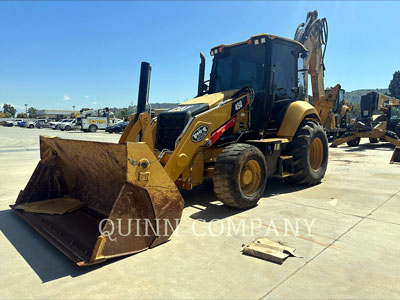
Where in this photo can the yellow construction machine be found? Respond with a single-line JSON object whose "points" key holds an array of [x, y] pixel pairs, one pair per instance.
{"points": [[96, 200], [382, 126], [339, 118]]}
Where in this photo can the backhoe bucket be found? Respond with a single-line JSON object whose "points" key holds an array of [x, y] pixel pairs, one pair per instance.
{"points": [[396, 156], [95, 201]]}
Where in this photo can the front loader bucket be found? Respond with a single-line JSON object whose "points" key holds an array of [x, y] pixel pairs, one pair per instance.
{"points": [[396, 156], [103, 200]]}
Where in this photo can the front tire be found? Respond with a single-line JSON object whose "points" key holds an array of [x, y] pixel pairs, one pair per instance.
{"points": [[240, 175], [354, 143], [310, 154], [373, 140]]}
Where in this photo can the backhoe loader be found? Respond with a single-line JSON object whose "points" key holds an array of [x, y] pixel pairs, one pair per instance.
{"points": [[249, 123], [384, 126], [339, 118]]}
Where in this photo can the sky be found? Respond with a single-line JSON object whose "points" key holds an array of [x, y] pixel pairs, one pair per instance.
{"points": [[87, 54]]}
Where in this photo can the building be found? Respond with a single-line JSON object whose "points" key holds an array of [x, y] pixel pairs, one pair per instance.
{"points": [[53, 114]]}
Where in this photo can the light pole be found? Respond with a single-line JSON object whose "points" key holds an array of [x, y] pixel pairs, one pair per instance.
{"points": [[73, 109], [26, 110]]}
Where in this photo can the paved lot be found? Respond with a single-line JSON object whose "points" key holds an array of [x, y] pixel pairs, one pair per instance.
{"points": [[352, 251]]}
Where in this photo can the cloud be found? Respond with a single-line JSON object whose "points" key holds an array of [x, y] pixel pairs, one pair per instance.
{"points": [[66, 97], [94, 102], [87, 97]]}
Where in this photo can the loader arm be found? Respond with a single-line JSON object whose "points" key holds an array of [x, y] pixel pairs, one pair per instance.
{"points": [[199, 132], [213, 120]]}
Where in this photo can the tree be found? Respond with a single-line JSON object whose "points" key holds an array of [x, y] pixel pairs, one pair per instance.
{"points": [[32, 112], [8, 108], [394, 86], [22, 115], [5, 115], [123, 113]]}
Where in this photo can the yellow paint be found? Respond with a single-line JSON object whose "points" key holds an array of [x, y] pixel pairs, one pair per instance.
{"points": [[97, 121], [212, 99], [316, 154], [295, 114], [213, 118], [97, 253], [250, 177]]}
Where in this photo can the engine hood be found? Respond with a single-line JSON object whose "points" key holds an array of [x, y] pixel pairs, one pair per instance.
{"points": [[211, 99]]}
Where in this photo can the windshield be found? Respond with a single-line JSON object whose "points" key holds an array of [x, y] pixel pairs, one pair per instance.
{"points": [[395, 113], [237, 67]]}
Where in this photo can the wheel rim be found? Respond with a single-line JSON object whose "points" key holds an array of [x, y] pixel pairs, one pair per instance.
{"points": [[316, 154], [250, 177]]}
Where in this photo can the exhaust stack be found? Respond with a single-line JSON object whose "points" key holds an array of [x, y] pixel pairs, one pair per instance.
{"points": [[144, 87]]}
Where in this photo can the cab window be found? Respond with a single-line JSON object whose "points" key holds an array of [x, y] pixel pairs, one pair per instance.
{"points": [[284, 67]]}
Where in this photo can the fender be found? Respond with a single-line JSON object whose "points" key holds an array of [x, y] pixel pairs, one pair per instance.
{"points": [[295, 114]]}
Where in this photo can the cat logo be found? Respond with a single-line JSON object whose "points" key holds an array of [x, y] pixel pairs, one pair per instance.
{"points": [[238, 105], [200, 133]]}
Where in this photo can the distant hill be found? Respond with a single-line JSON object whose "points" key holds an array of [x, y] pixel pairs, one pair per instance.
{"points": [[163, 105], [355, 96], [126, 111]]}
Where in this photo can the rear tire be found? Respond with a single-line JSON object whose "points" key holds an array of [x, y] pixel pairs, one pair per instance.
{"points": [[373, 140], [354, 143], [240, 175], [31, 126], [92, 128], [310, 154]]}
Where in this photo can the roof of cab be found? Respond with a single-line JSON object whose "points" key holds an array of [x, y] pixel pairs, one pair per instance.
{"points": [[270, 36]]}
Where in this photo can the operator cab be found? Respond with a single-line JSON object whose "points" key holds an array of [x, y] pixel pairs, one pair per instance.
{"points": [[271, 65], [394, 117], [339, 101]]}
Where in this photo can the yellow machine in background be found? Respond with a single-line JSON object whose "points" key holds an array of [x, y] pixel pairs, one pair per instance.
{"points": [[382, 126], [251, 122], [340, 116]]}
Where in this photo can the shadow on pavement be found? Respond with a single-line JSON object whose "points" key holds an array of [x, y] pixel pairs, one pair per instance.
{"points": [[50, 264], [210, 208], [44, 259], [369, 146], [203, 199]]}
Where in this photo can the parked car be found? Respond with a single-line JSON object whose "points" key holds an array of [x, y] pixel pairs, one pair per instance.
{"points": [[67, 126], [42, 124], [21, 124], [13, 122], [117, 128], [32, 124], [29, 124], [55, 124]]}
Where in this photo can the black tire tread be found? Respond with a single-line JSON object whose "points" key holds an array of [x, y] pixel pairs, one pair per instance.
{"points": [[299, 151], [226, 162]]}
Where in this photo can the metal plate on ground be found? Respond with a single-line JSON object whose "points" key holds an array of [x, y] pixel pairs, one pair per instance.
{"points": [[269, 250]]}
